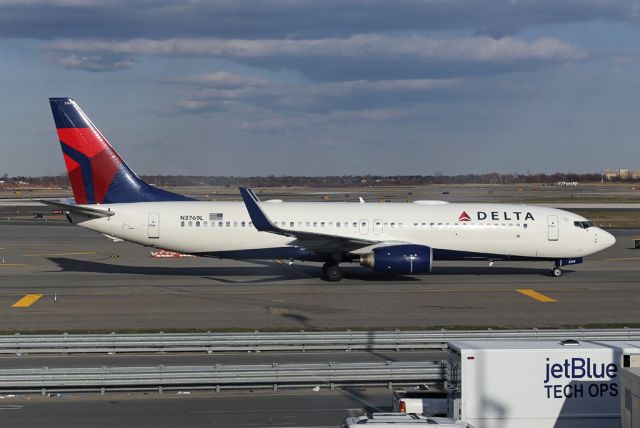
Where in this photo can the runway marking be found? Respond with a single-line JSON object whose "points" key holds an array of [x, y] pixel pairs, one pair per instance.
{"points": [[13, 264], [621, 259], [77, 253], [189, 290], [535, 295], [27, 301]]}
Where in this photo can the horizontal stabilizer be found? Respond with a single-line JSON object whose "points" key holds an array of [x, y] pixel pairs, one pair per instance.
{"points": [[79, 209]]}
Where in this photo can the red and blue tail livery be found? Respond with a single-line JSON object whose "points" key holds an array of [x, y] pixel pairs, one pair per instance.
{"points": [[97, 173]]}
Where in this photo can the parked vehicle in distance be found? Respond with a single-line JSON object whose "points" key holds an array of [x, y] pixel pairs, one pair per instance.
{"points": [[402, 420], [421, 401]]}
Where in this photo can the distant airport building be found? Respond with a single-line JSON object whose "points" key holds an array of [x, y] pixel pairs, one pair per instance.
{"points": [[620, 174]]}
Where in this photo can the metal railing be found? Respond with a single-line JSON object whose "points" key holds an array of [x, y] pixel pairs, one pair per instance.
{"points": [[284, 342], [224, 377]]}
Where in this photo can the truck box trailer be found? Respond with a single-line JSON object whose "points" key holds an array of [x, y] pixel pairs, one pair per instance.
{"points": [[541, 384]]}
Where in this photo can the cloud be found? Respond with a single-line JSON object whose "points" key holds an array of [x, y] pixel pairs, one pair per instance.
{"points": [[363, 56], [472, 49], [259, 95], [88, 62], [221, 79], [255, 19]]}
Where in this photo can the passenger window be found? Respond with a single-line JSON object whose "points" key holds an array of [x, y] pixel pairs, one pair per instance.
{"points": [[355, 224], [190, 223], [330, 224], [322, 224], [243, 224], [525, 225], [204, 224], [307, 224], [300, 224], [228, 224], [250, 224], [337, 224], [197, 224], [219, 224], [291, 224], [315, 224], [235, 224], [182, 224], [393, 225]]}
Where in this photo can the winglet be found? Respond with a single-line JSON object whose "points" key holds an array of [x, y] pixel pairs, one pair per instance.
{"points": [[258, 217]]}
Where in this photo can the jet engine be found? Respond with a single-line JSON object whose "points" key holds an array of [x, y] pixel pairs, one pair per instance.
{"points": [[399, 259]]}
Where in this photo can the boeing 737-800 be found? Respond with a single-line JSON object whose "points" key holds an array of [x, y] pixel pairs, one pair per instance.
{"points": [[392, 238]]}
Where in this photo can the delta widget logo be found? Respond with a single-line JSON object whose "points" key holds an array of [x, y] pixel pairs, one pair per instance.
{"points": [[464, 217]]}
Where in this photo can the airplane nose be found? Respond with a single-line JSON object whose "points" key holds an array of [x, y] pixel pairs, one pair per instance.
{"points": [[605, 239]]}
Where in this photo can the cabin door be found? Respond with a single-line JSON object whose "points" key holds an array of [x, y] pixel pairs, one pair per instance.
{"points": [[153, 226]]}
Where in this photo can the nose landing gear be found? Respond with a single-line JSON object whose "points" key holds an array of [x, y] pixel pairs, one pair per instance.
{"points": [[556, 271]]}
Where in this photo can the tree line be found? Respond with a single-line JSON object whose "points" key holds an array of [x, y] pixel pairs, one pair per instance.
{"points": [[324, 181]]}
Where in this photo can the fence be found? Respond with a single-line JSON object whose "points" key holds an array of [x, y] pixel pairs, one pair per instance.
{"points": [[283, 342]]}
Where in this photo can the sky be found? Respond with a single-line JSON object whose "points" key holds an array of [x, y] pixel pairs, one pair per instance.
{"points": [[324, 87]]}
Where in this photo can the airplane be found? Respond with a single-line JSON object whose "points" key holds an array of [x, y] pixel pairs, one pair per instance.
{"points": [[389, 238]]}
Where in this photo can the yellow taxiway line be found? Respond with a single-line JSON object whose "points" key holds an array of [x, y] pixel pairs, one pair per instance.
{"points": [[27, 301], [13, 264], [535, 295]]}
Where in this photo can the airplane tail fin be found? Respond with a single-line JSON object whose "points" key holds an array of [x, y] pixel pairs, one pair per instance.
{"points": [[97, 173]]}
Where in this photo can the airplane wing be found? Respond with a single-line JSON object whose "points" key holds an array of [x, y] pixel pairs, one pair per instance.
{"points": [[320, 242], [79, 209]]}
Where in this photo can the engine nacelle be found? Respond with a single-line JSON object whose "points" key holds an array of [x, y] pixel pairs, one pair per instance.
{"points": [[399, 259]]}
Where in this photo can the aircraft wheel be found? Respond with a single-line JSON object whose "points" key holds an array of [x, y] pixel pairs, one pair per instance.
{"points": [[331, 272], [556, 272]]}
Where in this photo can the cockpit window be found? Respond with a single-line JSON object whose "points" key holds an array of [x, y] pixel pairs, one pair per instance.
{"points": [[582, 224]]}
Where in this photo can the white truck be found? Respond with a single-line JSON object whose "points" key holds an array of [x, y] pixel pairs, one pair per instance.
{"points": [[537, 384]]}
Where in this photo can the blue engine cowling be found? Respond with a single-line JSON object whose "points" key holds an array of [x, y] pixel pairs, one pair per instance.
{"points": [[399, 259]]}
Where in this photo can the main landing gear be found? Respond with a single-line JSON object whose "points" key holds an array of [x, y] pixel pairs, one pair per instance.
{"points": [[556, 271], [331, 272]]}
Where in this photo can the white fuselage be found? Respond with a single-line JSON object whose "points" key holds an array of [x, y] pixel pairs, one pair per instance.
{"points": [[208, 228]]}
